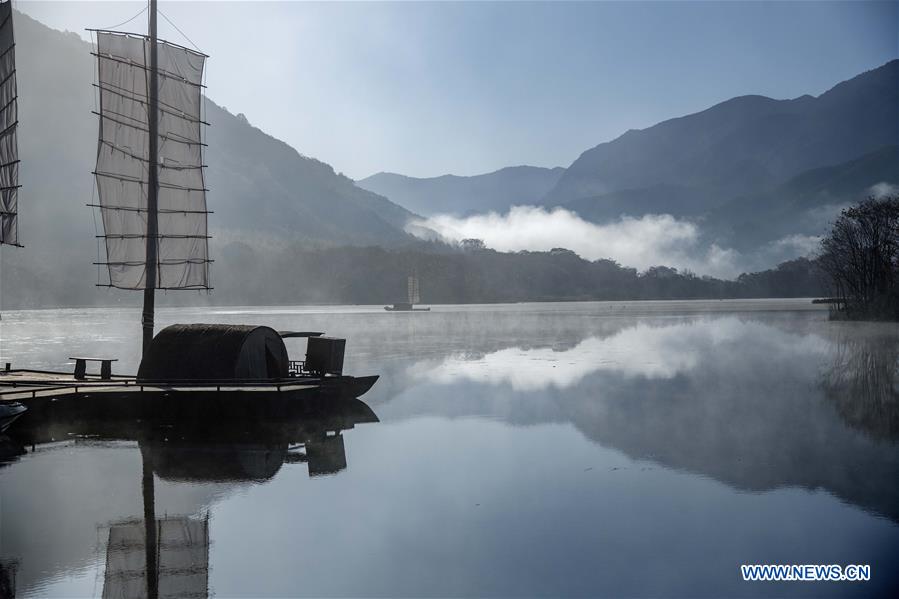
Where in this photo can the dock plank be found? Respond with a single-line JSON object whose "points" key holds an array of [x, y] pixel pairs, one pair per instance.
{"points": [[33, 384]]}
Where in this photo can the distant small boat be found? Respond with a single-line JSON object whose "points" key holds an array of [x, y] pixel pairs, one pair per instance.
{"points": [[414, 298], [9, 411], [405, 307]]}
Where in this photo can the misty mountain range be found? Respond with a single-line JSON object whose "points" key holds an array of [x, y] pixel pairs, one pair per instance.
{"points": [[745, 144], [751, 169], [461, 196]]}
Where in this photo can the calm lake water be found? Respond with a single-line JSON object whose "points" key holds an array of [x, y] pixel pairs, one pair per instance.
{"points": [[589, 449]]}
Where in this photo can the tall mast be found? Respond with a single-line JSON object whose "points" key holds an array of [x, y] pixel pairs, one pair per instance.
{"points": [[152, 189]]}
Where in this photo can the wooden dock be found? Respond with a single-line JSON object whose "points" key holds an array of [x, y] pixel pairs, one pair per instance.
{"points": [[18, 385], [57, 400]]}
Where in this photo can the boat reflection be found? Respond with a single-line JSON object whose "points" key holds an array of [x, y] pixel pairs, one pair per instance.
{"points": [[167, 555], [7, 578], [10, 450], [248, 459]]}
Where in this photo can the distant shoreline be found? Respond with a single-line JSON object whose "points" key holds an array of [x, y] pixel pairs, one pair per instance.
{"points": [[811, 303]]}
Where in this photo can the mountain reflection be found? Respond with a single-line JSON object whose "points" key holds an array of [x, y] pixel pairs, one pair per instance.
{"points": [[741, 401]]}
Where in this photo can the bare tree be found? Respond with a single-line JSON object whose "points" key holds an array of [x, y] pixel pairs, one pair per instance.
{"points": [[861, 259]]}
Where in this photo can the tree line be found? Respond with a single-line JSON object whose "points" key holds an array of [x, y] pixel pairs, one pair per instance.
{"points": [[245, 274], [860, 257], [374, 275]]}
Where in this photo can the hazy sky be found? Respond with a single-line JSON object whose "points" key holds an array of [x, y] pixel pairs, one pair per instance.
{"points": [[431, 88]]}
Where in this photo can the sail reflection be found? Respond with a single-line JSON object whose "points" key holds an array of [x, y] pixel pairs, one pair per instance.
{"points": [[182, 554]]}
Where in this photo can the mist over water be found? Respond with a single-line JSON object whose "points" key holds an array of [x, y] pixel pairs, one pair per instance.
{"points": [[599, 448], [572, 449], [636, 242]]}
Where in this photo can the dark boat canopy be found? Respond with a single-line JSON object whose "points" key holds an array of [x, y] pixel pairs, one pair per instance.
{"points": [[195, 352]]}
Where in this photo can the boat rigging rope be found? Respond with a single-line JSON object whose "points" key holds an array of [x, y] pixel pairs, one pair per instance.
{"points": [[181, 32], [142, 11]]}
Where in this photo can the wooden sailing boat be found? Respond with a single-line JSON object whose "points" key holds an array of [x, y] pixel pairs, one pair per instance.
{"points": [[152, 196], [152, 203], [413, 296]]}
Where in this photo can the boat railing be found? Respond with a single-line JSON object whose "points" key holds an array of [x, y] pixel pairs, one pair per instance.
{"points": [[132, 382], [13, 388], [296, 367]]}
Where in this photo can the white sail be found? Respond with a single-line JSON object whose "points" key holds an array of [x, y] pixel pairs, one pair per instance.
{"points": [[412, 288], [182, 559], [123, 162], [9, 124]]}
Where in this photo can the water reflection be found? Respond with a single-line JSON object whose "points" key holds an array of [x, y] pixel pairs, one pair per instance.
{"points": [[10, 450], [862, 381], [641, 350], [734, 399], [181, 552], [247, 460], [7, 578], [156, 550], [551, 452]]}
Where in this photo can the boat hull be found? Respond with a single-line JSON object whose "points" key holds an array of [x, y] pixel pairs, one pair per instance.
{"points": [[208, 403], [206, 409], [302, 418]]}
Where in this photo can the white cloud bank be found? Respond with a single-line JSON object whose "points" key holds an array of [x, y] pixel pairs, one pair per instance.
{"points": [[651, 240]]}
